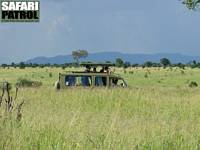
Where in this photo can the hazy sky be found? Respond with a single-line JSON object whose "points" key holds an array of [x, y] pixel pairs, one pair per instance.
{"points": [[129, 26]]}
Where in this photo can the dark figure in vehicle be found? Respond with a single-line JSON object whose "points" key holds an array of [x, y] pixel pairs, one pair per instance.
{"points": [[102, 70], [87, 68], [106, 69], [94, 69], [114, 81]]}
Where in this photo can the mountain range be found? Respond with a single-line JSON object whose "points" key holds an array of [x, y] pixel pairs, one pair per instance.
{"points": [[111, 56]]}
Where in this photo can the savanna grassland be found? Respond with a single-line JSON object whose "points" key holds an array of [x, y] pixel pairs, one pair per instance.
{"points": [[157, 111]]}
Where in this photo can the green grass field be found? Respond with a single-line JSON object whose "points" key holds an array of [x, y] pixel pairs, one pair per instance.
{"points": [[157, 111]]}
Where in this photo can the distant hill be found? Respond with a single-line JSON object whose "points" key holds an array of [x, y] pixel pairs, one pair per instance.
{"points": [[111, 56]]}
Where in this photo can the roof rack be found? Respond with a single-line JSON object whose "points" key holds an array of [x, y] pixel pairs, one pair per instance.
{"points": [[85, 64]]}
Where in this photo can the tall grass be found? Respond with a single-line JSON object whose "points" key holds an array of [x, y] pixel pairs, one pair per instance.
{"points": [[161, 116]]}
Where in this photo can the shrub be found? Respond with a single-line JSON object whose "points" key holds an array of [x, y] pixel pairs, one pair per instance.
{"points": [[50, 75], [63, 67], [131, 72], [124, 71], [182, 72], [21, 82], [146, 75], [193, 84]]}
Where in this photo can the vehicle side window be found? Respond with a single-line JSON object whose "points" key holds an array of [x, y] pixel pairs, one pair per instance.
{"points": [[104, 80], [70, 80], [78, 81], [99, 81], [86, 80]]}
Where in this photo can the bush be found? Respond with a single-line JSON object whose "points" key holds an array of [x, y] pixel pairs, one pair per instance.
{"points": [[27, 83], [50, 75], [193, 84], [146, 75]]}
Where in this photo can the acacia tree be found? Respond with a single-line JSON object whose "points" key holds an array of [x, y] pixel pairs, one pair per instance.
{"points": [[77, 54], [119, 62], [165, 62], [148, 64]]}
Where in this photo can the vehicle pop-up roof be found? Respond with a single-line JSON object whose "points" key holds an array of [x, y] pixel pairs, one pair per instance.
{"points": [[93, 65], [90, 64]]}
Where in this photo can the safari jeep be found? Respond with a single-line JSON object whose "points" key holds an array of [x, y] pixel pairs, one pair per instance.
{"points": [[90, 78]]}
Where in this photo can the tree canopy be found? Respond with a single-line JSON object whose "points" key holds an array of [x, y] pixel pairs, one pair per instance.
{"points": [[119, 62], [165, 62], [79, 54], [191, 4]]}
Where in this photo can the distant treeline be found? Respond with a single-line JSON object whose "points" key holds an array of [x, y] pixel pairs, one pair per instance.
{"points": [[164, 62]]}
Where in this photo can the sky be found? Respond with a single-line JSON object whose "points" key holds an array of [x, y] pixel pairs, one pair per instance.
{"points": [[127, 26]]}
